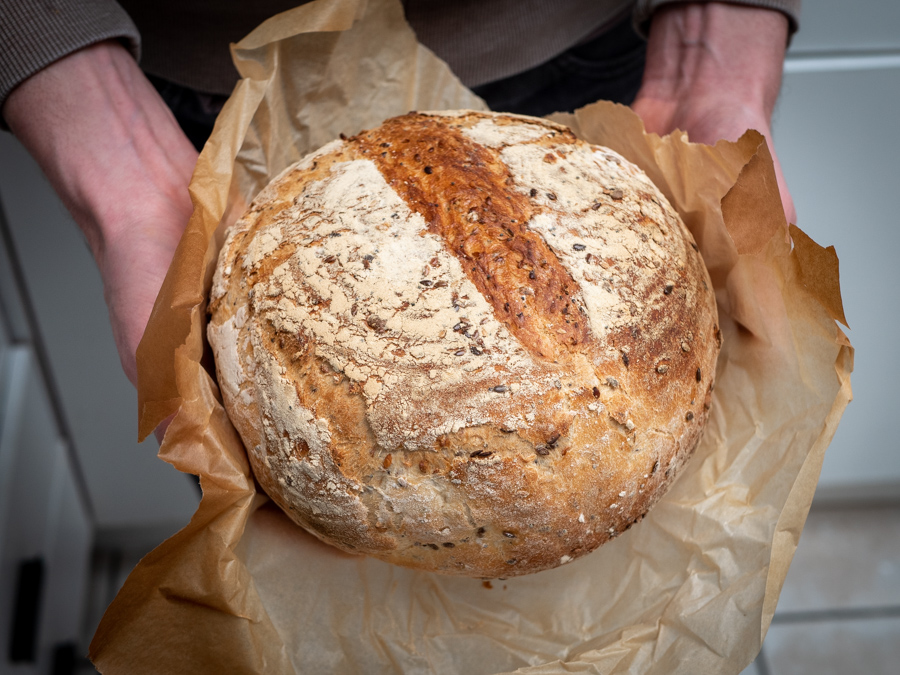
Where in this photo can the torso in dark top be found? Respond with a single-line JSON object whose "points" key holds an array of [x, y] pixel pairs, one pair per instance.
{"points": [[186, 42]]}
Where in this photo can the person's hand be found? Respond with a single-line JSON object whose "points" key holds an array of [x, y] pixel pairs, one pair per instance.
{"points": [[120, 163], [714, 71]]}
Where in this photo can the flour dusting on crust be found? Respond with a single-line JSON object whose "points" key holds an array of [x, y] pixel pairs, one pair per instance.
{"points": [[464, 342]]}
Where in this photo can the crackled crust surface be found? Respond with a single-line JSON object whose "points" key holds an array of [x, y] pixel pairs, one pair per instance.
{"points": [[464, 342]]}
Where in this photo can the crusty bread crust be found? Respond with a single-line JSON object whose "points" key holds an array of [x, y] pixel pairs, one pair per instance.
{"points": [[464, 342]]}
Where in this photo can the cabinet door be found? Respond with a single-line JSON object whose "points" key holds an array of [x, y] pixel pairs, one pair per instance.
{"points": [[45, 532], [835, 132]]}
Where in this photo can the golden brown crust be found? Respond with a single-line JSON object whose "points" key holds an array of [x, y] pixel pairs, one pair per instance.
{"points": [[462, 189], [464, 342]]}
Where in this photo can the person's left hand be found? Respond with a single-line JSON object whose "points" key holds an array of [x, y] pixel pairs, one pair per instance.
{"points": [[714, 71]]}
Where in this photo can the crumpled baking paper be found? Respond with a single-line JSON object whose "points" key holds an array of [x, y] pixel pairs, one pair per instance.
{"points": [[692, 589]]}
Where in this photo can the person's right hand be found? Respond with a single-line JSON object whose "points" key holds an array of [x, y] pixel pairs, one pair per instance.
{"points": [[120, 163], [714, 70]]}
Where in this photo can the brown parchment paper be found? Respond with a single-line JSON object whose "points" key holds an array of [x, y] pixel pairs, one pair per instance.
{"points": [[692, 589]]}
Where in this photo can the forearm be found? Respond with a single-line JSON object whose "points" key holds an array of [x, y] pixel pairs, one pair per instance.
{"points": [[714, 71], [120, 163], [104, 138], [716, 51]]}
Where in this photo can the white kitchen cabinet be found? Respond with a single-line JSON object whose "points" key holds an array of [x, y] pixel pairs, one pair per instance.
{"points": [[71, 472], [837, 136], [43, 521], [830, 27]]}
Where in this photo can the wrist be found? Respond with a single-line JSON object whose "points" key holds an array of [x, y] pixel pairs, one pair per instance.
{"points": [[716, 52]]}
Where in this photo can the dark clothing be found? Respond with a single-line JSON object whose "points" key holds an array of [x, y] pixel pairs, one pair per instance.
{"points": [[608, 67], [186, 42]]}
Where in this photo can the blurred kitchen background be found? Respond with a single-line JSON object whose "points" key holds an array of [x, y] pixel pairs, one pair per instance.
{"points": [[81, 501]]}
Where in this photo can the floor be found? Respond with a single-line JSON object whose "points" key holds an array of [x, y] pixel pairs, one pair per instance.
{"points": [[839, 612]]}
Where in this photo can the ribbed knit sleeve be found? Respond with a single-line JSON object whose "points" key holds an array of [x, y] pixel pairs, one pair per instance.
{"points": [[644, 9], [35, 33]]}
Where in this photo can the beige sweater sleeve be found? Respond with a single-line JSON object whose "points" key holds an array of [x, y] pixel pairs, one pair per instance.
{"points": [[644, 9]]}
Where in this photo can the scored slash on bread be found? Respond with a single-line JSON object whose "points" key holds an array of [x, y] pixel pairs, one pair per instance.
{"points": [[464, 342]]}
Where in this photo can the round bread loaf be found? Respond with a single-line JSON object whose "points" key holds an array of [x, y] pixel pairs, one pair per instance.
{"points": [[464, 342]]}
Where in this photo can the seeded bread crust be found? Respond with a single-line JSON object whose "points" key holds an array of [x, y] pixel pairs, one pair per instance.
{"points": [[464, 342]]}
